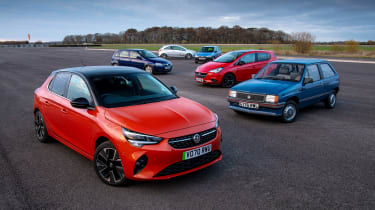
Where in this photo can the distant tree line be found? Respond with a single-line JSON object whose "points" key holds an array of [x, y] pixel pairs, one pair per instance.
{"points": [[13, 42], [222, 35]]}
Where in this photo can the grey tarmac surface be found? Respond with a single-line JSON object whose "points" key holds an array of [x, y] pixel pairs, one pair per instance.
{"points": [[326, 159]]}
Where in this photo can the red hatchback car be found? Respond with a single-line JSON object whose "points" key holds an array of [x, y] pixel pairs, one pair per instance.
{"points": [[232, 67], [129, 123]]}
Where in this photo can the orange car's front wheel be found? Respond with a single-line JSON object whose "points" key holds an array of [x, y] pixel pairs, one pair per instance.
{"points": [[108, 166]]}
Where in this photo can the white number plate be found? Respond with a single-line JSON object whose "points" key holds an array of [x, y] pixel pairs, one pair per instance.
{"points": [[202, 58], [249, 105], [196, 152], [199, 79]]}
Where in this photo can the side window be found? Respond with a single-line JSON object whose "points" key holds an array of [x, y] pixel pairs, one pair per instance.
{"points": [[59, 83], [133, 54], [168, 48], [78, 88], [248, 58], [327, 71], [178, 48], [124, 54], [312, 72], [263, 56]]}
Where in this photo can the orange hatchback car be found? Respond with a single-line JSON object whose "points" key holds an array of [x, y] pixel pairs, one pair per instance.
{"points": [[128, 122]]}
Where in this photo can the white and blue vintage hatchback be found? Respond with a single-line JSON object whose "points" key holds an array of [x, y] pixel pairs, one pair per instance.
{"points": [[282, 87]]}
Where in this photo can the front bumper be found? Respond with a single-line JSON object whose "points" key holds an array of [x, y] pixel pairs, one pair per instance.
{"points": [[270, 109], [209, 78], [203, 59], [164, 161], [163, 68]]}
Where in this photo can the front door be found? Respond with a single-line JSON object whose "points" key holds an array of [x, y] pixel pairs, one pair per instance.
{"points": [[245, 67], [79, 123], [312, 92]]}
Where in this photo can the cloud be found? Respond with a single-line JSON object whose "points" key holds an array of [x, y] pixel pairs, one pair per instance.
{"points": [[230, 18]]}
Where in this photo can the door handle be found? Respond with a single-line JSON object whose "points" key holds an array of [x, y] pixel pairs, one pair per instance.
{"points": [[64, 111]]}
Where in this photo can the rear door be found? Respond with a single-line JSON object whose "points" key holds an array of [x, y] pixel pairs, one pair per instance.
{"points": [[312, 92], [245, 67], [330, 79], [261, 60], [124, 58], [55, 103]]}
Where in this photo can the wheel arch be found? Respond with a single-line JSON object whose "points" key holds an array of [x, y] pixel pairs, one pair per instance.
{"points": [[100, 140], [293, 98]]}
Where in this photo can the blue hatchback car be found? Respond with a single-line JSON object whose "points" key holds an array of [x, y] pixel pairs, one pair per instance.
{"points": [[142, 59], [282, 87], [207, 53]]}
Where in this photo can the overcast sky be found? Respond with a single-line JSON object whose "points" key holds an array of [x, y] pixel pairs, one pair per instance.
{"points": [[51, 20]]}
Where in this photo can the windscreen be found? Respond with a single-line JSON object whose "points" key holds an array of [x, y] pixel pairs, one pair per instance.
{"points": [[129, 89], [206, 49], [147, 54], [229, 57], [282, 71]]}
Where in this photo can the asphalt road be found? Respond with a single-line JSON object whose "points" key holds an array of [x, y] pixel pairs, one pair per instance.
{"points": [[326, 159]]}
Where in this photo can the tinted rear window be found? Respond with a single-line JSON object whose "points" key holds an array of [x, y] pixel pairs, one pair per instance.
{"points": [[327, 71], [59, 83], [263, 56]]}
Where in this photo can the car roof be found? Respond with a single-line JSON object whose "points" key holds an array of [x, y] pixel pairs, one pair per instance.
{"points": [[131, 49], [252, 50], [301, 61], [92, 71], [209, 46]]}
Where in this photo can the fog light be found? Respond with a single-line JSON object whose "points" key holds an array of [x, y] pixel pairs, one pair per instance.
{"points": [[140, 164]]}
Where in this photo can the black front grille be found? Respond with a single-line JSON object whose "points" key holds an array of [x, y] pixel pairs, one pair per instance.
{"points": [[186, 165], [250, 97], [187, 141], [200, 75]]}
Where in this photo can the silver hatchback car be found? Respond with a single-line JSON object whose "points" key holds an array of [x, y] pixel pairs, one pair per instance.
{"points": [[176, 51]]}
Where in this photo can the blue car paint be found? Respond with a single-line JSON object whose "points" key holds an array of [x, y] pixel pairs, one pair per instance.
{"points": [[210, 55], [166, 66], [304, 94]]}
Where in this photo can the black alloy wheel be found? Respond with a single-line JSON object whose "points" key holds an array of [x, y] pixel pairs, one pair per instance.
{"points": [[228, 81], [108, 166], [40, 128]]}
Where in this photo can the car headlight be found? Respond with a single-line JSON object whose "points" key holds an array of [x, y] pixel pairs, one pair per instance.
{"points": [[232, 93], [217, 121], [138, 139], [272, 99], [158, 64], [217, 70]]}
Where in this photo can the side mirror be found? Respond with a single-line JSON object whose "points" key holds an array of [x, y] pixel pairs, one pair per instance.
{"points": [[139, 57], [174, 89], [81, 103], [308, 80], [240, 63]]}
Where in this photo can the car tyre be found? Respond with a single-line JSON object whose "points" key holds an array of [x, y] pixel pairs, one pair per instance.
{"points": [[149, 69], [196, 61], [228, 80], [40, 128], [164, 55], [330, 102], [289, 112], [108, 165], [188, 56], [115, 64]]}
